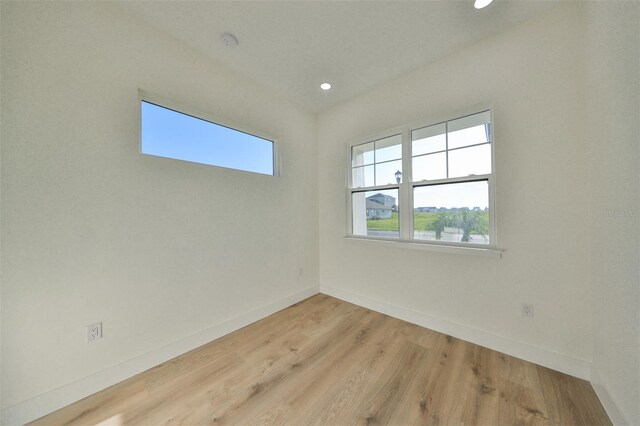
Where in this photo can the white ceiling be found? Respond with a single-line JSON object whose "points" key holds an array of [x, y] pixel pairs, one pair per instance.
{"points": [[292, 47]]}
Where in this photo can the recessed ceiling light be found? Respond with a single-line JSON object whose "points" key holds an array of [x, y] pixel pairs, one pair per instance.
{"points": [[479, 4], [325, 86]]}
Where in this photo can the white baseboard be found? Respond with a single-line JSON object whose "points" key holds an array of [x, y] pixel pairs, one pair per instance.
{"points": [[616, 415], [556, 361], [51, 401]]}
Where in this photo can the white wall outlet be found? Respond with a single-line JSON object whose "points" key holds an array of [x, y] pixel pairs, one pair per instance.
{"points": [[94, 332], [527, 309], [300, 271]]}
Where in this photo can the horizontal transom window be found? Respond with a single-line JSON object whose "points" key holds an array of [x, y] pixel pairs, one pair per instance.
{"points": [[169, 133]]}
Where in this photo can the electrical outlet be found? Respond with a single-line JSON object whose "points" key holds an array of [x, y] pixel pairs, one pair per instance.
{"points": [[300, 271], [94, 332], [527, 309]]}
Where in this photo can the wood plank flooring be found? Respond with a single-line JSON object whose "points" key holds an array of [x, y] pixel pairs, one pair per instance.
{"points": [[327, 362]]}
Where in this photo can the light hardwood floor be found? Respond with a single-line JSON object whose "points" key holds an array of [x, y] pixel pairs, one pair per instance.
{"points": [[327, 362]]}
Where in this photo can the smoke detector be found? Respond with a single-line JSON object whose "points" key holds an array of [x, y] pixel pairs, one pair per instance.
{"points": [[229, 40]]}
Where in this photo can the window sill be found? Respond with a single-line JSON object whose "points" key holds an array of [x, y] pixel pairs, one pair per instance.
{"points": [[473, 251]]}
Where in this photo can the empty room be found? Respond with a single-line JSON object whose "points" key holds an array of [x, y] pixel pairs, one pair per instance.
{"points": [[320, 212]]}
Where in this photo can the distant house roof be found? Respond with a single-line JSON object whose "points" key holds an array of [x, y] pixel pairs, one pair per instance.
{"points": [[382, 199], [376, 205], [380, 195]]}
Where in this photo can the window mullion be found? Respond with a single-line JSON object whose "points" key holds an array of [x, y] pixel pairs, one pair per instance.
{"points": [[375, 167], [349, 196], [446, 146], [406, 203]]}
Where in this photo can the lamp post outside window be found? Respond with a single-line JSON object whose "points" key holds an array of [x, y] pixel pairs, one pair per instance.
{"points": [[398, 176]]}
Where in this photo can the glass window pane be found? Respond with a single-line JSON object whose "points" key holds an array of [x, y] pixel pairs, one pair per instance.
{"points": [[375, 213], [389, 148], [172, 134], [470, 130], [362, 176], [456, 212], [429, 139], [386, 172], [430, 167], [362, 155], [470, 161]]}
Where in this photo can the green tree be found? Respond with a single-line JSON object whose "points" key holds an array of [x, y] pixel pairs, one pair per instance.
{"points": [[471, 221], [439, 224]]}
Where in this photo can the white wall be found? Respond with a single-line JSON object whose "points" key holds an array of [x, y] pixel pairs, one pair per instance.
{"points": [[156, 249], [532, 75], [0, 213], [613, 143]]}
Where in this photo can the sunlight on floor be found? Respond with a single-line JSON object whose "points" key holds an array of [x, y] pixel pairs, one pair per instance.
{"points": [[116, 420]]}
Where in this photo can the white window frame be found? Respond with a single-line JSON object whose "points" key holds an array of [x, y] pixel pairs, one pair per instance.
{"points": [[387, 134], [406, 188], [144, 96]]}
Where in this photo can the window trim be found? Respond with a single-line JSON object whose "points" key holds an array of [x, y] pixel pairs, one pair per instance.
{"points": [[406, 187], [416, 245], [144, 96]]}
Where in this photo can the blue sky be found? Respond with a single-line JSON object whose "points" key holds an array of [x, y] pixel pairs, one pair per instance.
{"points": [[171, 134]]}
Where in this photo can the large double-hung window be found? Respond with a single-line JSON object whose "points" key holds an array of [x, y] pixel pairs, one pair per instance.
{"points": [[431, 184]]}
